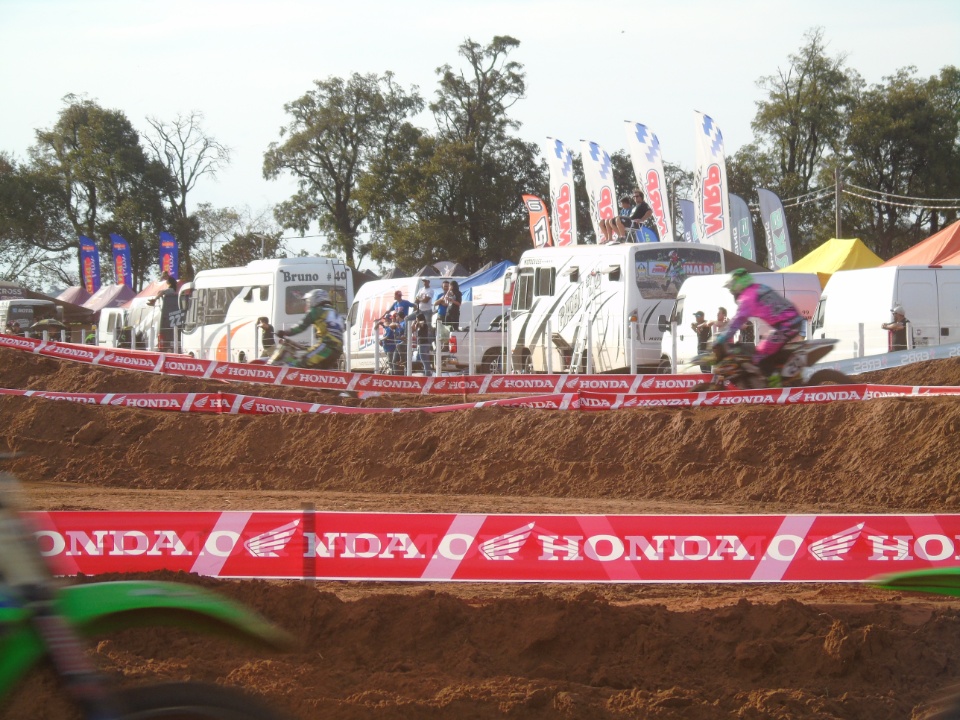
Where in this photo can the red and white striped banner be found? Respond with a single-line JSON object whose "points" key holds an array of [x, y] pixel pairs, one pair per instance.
{"points": [[500, 548]]}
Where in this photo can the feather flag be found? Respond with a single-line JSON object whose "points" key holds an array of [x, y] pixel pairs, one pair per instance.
{"points": [[169, 255], [742, 228], [601, 193], [648, 170], [564, 213], [123, 272], [711, 201], [89, 264], [779, 252], [539, 221]]}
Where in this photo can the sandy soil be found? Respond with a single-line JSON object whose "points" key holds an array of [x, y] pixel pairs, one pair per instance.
{"points": [[379, 650]]}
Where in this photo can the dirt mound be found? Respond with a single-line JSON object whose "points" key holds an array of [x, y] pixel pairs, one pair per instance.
{"points": [[378, 650]]}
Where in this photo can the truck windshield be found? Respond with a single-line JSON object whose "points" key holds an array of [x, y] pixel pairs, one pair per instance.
{"points": [[661, 271]]}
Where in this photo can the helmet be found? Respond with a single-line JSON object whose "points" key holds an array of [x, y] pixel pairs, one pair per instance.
{"points": [[897, 310], [739, 281], [317, 297], [674, 255]]}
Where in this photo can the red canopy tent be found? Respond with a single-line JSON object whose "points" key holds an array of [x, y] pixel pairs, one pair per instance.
{"points": [[109, 296], [941, 248]]}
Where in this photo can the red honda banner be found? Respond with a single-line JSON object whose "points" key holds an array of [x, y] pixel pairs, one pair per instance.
{"points": [[501, 548]]}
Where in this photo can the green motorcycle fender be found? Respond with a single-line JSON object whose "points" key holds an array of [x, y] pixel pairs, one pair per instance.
{"points": [[100, 608]]}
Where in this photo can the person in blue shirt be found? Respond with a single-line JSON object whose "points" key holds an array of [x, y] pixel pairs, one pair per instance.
{"points": [[399, 305]]}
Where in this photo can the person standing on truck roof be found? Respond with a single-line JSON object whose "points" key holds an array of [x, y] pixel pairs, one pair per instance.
{"points": [[897, 330]]}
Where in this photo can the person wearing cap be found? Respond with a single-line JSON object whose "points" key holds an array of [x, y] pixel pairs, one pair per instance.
{"points": [[639, 214], [399, 306], [897, 329], [612, 229], [703, 330]]}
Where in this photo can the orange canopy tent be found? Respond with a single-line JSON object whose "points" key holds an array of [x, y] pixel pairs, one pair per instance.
{"points": [[941, 248]]}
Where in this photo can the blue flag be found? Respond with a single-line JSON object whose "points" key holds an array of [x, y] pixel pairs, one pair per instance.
{"points": [[123, 271], [89, 264], [169, 255]]}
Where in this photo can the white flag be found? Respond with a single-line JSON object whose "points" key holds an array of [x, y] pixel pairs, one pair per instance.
{"points": [[598, 173], [711, 202], [648, 169], [563, 210]]}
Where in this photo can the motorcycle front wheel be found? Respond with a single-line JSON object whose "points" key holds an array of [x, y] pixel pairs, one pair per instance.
{"points": [[191, 701], [704, 386]]}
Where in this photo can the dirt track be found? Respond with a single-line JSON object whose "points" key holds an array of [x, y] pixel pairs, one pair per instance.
{"points": [[522, 651]]}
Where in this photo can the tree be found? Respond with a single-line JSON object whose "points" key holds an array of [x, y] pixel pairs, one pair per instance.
{"points": [[336, 132], [107, 182], [234, 238], [188, 153], [456, 195]]}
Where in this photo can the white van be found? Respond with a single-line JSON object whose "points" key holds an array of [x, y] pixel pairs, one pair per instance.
{"points": [[372, 300], [708, 294], [560, 292], [855, 303], [26, 311], [222, 305], [112, 320]]}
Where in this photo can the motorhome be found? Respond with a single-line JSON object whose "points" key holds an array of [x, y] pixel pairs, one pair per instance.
{"points": [[26, 311], [222, 305], [371, 303], [855, 303], [562, 292], [707, 293]]}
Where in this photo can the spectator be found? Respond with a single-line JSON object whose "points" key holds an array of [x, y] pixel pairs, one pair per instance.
{"points": [[424, 300], [17, 330], [399, 306], [454, 301], [421, 328], [442, 301], [613, 229], [897, 330], [392, 342], [267, 340], [639, 214], [8, 328], [721, 323], [702, 329]]}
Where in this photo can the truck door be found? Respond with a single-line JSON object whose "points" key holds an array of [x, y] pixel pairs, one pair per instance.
{"points": [[917, 292], [948, 289]]}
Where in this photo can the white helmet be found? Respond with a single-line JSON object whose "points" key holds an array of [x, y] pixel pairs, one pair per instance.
{"points": [[317, 297]]}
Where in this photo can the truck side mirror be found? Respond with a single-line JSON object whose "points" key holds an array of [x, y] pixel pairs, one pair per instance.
{"points": [[662, 324]]}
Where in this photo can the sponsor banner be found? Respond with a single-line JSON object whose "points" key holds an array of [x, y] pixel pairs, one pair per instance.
{"points": [[89, 264], [563, 211], [18, 342], [688, 217], [130, 360], [122, 269], [169, 255], [741, 228], [500, 548], [186, 366]]}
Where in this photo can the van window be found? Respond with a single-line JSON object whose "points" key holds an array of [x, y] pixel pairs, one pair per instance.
{"points": [[523, 293], [293, 298], [210, 305], [546, 279], [248, 296], [264, 293], [819, 316], [352, 318]]}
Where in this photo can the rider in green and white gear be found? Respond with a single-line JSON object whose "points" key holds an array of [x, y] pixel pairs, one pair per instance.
{"points": [[329, 331]]}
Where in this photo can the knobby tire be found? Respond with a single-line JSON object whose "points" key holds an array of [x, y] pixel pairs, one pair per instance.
{"points": [[828, 377]]}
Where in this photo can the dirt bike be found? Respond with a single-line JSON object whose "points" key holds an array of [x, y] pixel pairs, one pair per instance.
{"points": [[289, 352], [734, 370], [42, 620]]}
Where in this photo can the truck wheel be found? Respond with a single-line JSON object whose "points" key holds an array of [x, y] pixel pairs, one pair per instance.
{"points": [[665, 368], [523, 363], [492, 363]]}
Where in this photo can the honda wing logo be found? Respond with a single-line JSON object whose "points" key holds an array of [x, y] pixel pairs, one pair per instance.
{"points": [[834, 546], [504, 546], [119, 400], [293, 375], [271, 542], [248, 405]]}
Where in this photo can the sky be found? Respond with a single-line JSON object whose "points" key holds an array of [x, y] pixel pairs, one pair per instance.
{"points": [[589, 65]]}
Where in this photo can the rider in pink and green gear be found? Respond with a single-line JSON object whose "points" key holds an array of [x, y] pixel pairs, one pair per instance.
{"points": [[759, 301]]}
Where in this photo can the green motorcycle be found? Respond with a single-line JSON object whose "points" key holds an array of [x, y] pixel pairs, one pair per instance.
{"points": [[42, 620]]}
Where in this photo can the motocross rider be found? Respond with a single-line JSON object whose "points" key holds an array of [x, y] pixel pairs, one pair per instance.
{"points": [[759, 301], [324, 317]]}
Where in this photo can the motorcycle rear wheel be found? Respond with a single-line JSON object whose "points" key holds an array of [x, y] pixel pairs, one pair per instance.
{"points": [[704, 386], [828, 377], [191, 701]]}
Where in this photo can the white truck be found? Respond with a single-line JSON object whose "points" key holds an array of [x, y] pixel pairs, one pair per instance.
{"points": [[596, 307], [855, 303], [222, 305], [486, 345], [707, 294]]}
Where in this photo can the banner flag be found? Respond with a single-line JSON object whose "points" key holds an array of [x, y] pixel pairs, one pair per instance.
{"points": [[539, 221], [742, 228], [710, 184], [89, 264], [648, 170], [601, 193], [123, 272], [779, 252], [169, 255], [563, 208], [688, 216], [445, 547]]}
